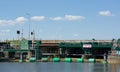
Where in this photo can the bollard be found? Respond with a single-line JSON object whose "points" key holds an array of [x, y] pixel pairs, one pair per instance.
{"points": [[68, 60], [56, 59], [32, 59], [44, 59], [91, 60], [81, 60]]}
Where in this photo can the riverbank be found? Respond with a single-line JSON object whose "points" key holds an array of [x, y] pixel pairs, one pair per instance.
{"points": [[80, 60], [114, 59]]}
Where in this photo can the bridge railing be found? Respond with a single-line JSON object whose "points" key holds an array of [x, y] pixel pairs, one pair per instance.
{"points": [[80, 44]]}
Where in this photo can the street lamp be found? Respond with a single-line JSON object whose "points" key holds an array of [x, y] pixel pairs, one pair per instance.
{"points": [[29, 25], [18, 32]]}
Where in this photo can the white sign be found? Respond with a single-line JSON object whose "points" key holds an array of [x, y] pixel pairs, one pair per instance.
{"points": [[87, 46]]}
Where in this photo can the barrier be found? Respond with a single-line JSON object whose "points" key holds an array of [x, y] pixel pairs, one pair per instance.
{"points": [[56, 59], [44, 59], [104, 62], [91, 60], [68, 60], [32, 59], [81, 60], [20, 60]]}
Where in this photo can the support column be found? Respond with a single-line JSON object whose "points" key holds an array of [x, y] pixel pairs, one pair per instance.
{"points": [[63, 52], [60, 50], [105, 57], [66, 51], [83, 56], [29, 54], [6, 54], [21, 56]]}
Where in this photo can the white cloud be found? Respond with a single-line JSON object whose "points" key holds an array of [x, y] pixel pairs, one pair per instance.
{"points": [[68, 17], [56, 18], [105, 13], [22, 20], [72, 17], [19, 20], [38, 18]]}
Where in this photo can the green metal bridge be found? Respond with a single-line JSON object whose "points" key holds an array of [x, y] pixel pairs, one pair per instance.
{"points": [[86, 47], [64, 47]]}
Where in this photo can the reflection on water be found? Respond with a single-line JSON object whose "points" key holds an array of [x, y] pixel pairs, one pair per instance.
{"points": [[58, 67]]}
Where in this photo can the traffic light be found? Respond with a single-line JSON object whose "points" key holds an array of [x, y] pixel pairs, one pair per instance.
{"points": [[18, 32], [31, 33]]}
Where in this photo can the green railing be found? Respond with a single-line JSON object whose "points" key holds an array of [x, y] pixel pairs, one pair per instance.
{"points": [[15, 50], [80, 44]]}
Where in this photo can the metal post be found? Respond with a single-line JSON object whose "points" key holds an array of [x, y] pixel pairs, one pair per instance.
{"points": [[105, 57], [29, 25], [60, 51], [35, 54], [21, 57]]}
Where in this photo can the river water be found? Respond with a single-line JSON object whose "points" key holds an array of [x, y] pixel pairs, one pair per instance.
{"points": [[58, 67]]}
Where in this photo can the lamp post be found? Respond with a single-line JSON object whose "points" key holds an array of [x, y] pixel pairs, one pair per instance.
{"points": [[18, 32], [29, 25]]}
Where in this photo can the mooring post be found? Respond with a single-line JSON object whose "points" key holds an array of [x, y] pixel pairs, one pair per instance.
{"points": [[105, 57], [21, 57]]}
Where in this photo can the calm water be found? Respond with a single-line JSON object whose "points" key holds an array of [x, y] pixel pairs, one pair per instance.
{"points": [[58, 67]]}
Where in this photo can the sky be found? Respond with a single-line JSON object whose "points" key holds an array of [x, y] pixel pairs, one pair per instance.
{"points": [[60, 19]]}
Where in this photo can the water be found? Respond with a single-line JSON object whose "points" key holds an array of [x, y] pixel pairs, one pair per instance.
{"points": [[58, 67]]}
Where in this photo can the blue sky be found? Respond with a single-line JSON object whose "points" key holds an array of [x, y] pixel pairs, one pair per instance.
{"points": [[60, 19]]}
